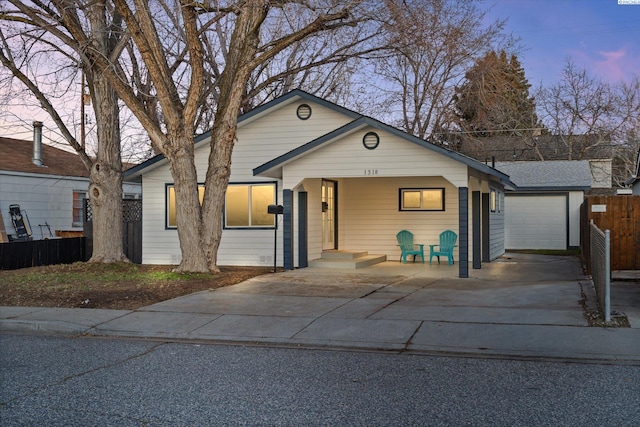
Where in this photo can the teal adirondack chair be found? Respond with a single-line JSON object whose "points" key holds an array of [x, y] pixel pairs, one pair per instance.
{"points": [[405, 241], [447, 243]]}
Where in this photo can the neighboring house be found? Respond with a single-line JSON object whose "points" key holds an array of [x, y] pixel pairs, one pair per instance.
{"points": [[49, 184], [634, 181], [346, 182], [594, 148], [544, 211]]}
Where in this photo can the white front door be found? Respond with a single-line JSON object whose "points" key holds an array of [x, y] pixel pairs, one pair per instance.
{"points": [[329, 230]]}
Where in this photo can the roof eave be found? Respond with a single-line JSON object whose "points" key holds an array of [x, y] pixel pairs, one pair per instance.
{"points": [[245, 118], [558, 189]]}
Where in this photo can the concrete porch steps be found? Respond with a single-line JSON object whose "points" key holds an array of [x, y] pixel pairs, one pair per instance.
{"points": [[346, 259]]}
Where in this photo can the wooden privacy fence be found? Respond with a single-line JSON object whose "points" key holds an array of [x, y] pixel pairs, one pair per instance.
{"points": [[131, 229], [34, 253], [621, 215]]}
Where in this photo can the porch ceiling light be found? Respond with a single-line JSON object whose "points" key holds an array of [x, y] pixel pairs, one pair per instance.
{"points": [[370, 140]]}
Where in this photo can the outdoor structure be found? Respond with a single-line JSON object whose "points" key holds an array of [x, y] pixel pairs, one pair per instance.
{"points": [[543, 212], [634, 181], [346, 183], [543, 148], [48, 184]]}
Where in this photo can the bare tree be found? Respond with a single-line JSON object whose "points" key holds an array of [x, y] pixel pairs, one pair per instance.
{"points": [[177, 75], [589, 116], [434, 43], [627, 142], [580, 110], [37, 30], [323, 63]]}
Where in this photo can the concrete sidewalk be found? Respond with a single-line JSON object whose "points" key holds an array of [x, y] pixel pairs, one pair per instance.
{"points": [[518, 306]]}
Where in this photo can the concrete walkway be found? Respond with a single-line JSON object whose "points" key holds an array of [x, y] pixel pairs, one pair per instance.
{"points": [[518, 306]]}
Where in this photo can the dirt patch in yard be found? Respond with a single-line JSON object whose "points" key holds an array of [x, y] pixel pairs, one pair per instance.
{"points": [[111, 286]]}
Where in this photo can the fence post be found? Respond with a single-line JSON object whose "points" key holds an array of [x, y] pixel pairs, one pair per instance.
{"points": [[607, 276]]}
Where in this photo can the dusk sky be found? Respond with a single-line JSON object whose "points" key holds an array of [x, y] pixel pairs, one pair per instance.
{"points": [[602, 36], [599, 35]]}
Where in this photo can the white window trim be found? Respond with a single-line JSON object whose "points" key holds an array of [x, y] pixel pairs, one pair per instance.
{"points": [[402, 208]]}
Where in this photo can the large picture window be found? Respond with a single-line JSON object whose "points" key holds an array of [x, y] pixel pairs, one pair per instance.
{"points": [[246, 205], [422, 199]]}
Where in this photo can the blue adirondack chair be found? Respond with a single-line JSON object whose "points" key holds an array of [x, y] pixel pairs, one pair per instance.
{"points": [[405, 241], [447, 243]]}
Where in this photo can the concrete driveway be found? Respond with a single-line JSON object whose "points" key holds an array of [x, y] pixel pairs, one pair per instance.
{"points": [[517, 289]]}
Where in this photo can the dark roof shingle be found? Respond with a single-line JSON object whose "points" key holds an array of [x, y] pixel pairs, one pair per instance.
{"points": [[16, 155]]}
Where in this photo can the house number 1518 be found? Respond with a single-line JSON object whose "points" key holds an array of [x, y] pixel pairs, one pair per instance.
{"points": [[370, 172]]}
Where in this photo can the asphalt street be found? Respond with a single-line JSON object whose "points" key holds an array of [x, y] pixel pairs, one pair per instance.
{"points": [[63, 381]]}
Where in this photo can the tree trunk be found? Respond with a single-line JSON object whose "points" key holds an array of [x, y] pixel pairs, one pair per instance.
{"points": [[105, 181], [188, 210], [233, 82]]}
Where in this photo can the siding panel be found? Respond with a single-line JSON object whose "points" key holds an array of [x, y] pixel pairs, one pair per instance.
{"points": [[258, 142], [394, 157], [496, 225], [46, 199], [369, 217]]}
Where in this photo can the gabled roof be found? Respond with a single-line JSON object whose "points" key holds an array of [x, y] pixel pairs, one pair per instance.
{"points": [[358, 121], [552, 175], [257, 112], [363, 121], [16, 155]]}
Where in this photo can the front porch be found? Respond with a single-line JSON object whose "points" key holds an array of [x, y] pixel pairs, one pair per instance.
{"points": [[379, 265], [346, 259]]}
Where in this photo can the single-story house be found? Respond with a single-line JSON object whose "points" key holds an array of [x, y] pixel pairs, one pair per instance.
{"points": [[543, 212], [49, 185], [346, 182]]}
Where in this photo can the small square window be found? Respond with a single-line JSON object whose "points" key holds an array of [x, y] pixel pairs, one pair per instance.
{"points": [[78, 208], [494, 200], [422, 199]]}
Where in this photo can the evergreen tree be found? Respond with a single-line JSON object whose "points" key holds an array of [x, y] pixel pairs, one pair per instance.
{"points": [[494, 98]]}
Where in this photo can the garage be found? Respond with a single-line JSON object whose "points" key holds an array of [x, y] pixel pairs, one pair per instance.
{"points": [[542, 210], [536, 221]]}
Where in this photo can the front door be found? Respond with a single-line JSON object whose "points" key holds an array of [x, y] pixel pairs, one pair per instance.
{"points": [[329, 215]]}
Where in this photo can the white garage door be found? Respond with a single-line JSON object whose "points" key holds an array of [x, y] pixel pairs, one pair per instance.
{"points": [[536, 222]]}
